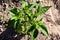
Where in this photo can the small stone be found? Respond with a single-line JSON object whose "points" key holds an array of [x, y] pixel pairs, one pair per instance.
{"points": [[0, 26], [2, 30]]}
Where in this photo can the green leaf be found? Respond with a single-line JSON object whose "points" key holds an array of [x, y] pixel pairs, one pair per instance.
{"points": [[41, 10], [13, 11], [43, 29], [38, 18], [11, 23], [24, 4], [20, 14], [14, 17], [29, 14], [40, 0], [31, 28], [32, 5], [44, 9], [34, 34], [18, 26]]}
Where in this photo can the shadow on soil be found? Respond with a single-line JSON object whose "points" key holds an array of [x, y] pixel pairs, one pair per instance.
{"points": [[9, 34]]}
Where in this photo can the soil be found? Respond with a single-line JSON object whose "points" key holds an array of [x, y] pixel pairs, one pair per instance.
{"points": [[51, 19]]}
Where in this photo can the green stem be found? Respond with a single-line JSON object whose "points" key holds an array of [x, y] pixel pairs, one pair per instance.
{"points": [[32, 38]]}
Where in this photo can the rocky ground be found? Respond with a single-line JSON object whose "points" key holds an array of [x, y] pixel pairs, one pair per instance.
{"points": [[51, 19]]}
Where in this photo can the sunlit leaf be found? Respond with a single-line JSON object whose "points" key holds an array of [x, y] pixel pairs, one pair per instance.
{"points": [[43, 29], [29, 14], [32, 5], [24, 4], [38, 18], [41, 10], [44, 9], [41, 0], [14, 17]]}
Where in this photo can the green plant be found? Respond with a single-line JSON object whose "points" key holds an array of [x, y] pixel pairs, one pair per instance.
{"points": [[24, 20]]}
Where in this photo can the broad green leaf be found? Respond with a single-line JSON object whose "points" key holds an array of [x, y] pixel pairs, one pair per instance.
{"points": [[44, 9], [31, 28], [43, 29], [41, 10], [38, 10], [38, 18], [34, 34]]}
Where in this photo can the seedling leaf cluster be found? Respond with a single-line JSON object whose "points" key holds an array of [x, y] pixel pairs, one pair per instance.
{"points": [[25, 21]]}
